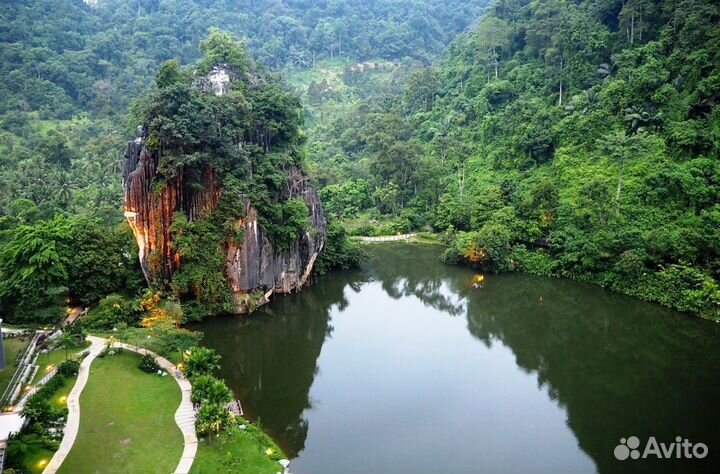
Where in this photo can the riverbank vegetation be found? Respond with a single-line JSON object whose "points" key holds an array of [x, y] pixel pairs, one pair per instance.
{"points": [[242, 448], [583, 134], [559, 138]]}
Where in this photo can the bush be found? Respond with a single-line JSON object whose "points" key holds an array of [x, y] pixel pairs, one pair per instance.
{"points": [[489, 248], [538, 262], [339, 251], [69, 368], [113, 310], [208, 389], [148, 364]]}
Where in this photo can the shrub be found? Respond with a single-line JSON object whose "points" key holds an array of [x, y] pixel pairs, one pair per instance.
{"points": [[208, 389], [69, 368], [148, 364]]}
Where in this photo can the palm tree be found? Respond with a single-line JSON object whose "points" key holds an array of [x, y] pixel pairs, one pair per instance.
{"points": [[19, 445], [200, 361], [641, 118], [606, 70], [66, 341], [65, 187]]}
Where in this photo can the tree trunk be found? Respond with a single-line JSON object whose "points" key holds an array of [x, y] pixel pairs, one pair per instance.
{"points": [[561, 83], [496, 63], [619, 187]]}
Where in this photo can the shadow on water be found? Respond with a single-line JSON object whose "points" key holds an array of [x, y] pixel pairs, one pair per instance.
{"points": [[616, 366], [269, 359]]}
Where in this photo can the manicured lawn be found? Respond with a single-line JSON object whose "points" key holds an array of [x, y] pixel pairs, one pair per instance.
{"points": [[238, 452], [127, 421], [54, 358], [12, 346], [141, 337]]}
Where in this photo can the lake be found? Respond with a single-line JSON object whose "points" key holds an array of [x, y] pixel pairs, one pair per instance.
{"points": [[404, 367]]}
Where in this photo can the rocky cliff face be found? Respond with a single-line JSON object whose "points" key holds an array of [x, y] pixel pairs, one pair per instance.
{"points": [[253, 265]]}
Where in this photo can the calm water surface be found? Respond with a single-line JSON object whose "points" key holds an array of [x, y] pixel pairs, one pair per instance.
{"points": [[402, 367]]}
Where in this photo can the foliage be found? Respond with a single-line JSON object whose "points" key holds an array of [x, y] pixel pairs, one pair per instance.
{"points": [[38, 408], [69, 367], [206, 389], [148, 364], [111, 311], [559, 138], [211, 419], [339, 251], [36, 262], [200, 361]]}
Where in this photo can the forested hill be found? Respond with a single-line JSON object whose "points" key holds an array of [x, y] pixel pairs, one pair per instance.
{"points": [[582, 139], [60, 57]]}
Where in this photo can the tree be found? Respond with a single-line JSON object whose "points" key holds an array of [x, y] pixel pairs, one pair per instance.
{"points": [[169, 74], [493, 35], [211, 418], [209, 390], [33, 265], [619, 147], [220, 47], [200, 361]]}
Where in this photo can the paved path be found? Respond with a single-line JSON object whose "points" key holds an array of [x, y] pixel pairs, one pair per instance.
{"points": [[73, 402], [388, 238], [184, 416]]}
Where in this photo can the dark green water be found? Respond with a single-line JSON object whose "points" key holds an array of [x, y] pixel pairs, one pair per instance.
{"points": [[404, 368]]}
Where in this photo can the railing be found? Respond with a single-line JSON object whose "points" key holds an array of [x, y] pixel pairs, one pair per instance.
{"points": [[388, 238], [24, 358]]}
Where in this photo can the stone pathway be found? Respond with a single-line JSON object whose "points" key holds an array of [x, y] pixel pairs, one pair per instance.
{"points": [[388, 238], [73, 403], [184, 416]]}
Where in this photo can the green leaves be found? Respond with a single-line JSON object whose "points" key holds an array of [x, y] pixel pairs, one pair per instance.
{"points": [[200, 361]]}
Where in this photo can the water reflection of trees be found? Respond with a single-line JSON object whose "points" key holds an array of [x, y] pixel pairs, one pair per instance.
{"points": [[618, 366], [411, 270], [270, 359]]}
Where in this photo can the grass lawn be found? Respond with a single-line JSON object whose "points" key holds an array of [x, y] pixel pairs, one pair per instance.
{"points": [[55, 357], [127, 421], [238, 451], [140, 337], [12, 346]]}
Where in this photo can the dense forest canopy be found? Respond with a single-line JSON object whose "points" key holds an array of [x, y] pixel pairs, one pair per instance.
{"points": [[558, 137], [60, 57]]}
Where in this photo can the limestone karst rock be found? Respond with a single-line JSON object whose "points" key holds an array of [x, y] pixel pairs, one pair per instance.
{"points": [[253, 265]]}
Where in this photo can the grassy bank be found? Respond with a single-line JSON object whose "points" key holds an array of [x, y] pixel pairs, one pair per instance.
{"points": [[46, 361], [249, 451]]}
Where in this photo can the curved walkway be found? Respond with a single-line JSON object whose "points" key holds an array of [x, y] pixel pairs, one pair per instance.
{"points": [[388, 238], [184, 416]]}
